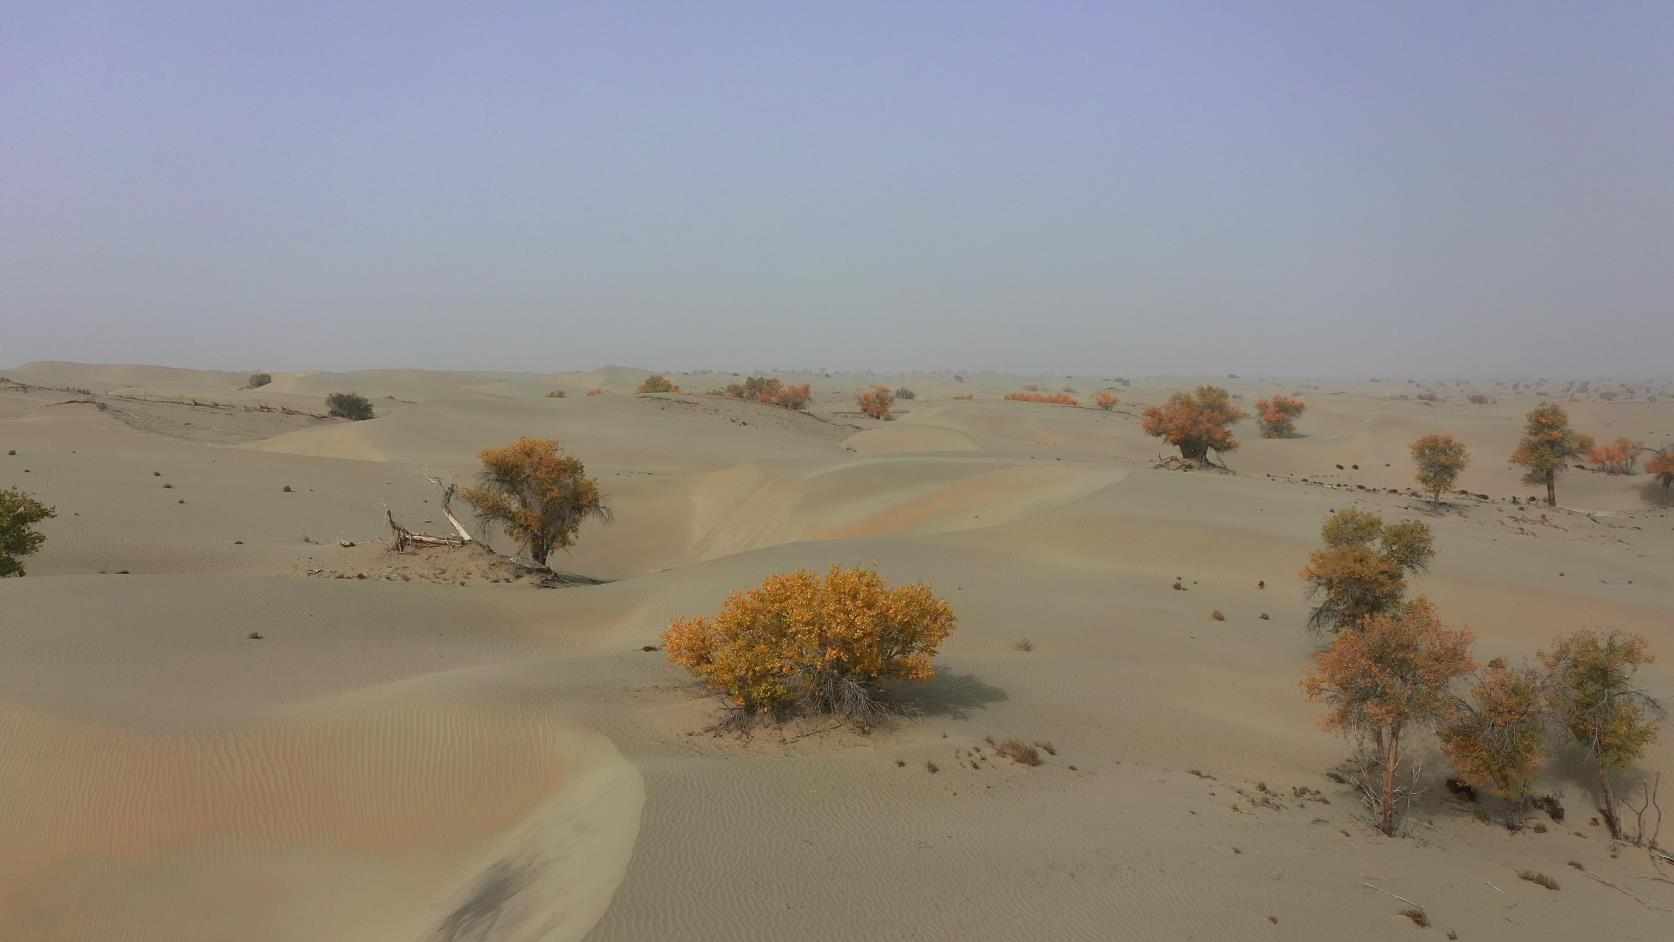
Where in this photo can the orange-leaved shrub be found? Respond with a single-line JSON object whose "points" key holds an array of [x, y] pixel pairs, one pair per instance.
{"points": [[770, 390], [557, 394], [1277, 416], [1389, 676], [1106, 401], [595, 391], [876, 402], [657, 383], [1439, 458], [537, 494], [1056, 399], [1616, 457], [825, 644], [1195, 422]]}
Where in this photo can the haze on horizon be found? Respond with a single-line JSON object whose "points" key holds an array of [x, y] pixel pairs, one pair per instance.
{"points": [[1302, 188]]}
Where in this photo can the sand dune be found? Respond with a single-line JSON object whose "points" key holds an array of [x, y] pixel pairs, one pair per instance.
{"points": [[403, 756]]}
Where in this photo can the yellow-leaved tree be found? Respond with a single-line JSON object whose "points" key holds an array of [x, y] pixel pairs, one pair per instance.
{"points": [[823, 644], [539, 495]]}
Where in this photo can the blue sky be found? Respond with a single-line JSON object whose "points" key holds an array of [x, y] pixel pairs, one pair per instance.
{"points": [[1269, 188]]}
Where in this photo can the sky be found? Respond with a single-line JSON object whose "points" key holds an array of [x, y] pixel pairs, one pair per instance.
{"points": [[1336, 188]]}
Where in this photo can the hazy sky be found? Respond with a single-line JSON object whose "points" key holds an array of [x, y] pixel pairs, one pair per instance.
{"points": [[1269, 188]]}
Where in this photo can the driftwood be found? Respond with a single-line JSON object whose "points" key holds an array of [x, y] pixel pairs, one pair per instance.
{"points": [[447, 509], [405, 538]]}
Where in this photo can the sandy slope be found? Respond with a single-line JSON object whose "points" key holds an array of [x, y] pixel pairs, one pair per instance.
{"points": [[406, 757]]}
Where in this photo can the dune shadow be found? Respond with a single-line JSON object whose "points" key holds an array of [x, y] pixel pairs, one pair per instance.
{"points": [[951, 695]]}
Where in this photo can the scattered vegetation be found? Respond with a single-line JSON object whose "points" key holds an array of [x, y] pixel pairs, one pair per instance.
{"points": [[1106, 401], [1056, 399], [657, 383], [1439, 458], [803, 642], [1617, 457], [1389, 676], [258, 380], [1196, 423], [19, 512], [1277, 416], [1362, 569], [876, 402], [902, 392], [1548, 444], [348, 406], [1019, 752], [1593, 698], [772, 391], [537, 494]]}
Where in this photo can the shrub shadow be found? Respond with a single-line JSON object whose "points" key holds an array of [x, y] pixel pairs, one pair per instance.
{"points": [[949, 694]]}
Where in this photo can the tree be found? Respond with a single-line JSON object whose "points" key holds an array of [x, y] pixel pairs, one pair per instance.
{"points": [[1390, 676], [1277, 416], [1661, 464], [1440, 458], [1106, 401], [19, 512], [539, 495], [1195, 422], [1548, 443], [1593, 698], [657, 383], [1362, 569], [348, 406], [876, 402], [822, 644], [1616, 457], [1497, 736]]}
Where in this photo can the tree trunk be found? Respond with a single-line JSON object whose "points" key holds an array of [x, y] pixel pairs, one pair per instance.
{"points": [[1551, 487], [1387, 825], [1608, 795]]}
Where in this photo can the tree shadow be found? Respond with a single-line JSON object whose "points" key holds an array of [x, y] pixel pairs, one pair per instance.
{"points": [[949, 694], [1656, 495]]}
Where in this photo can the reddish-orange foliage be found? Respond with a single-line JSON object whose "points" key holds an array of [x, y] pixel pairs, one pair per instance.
{"points": [[658, 383], [1661, 464], [1195, 422], [1106, 401], [595, 391], [1056, 399], [1277, 415], [876, 402], [557, 394], [1392, 673], [771, 391], [1618, 456]]}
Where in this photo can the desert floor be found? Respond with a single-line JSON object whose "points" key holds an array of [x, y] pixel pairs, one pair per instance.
{"points": [[434, 747]]}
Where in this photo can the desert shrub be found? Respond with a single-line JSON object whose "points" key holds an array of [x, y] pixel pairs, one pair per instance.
{"points": [[1023, 644], [537, 494], [1593, 698], [1439, 458], [1419, 917], [1362, 569], [822, 644], [1428, 396], [1617, 457], [1538, 879], [1196, 422], [876, 402], [966, 396], [1661, 464], [557, 394], [1548, 444], [19, 512], [770, 390], [1277, 416], [657, 383], [348, 406], [1390, 676], [1478, 399], [1019, 752], [1057, 399], [258, 380], [902, 392], [1106, 401], [1218, 615], [1496, 737], [595, 391]]}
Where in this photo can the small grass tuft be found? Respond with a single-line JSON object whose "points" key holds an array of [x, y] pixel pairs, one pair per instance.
{"points": [[1019, 752], [1537, 878], [1023, 644], [931, 768], [1217, 615], [1576, 864], [1419, 917]]}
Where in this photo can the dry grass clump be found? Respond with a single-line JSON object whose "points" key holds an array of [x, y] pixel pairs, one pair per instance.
{"points": [[966, 396], [902, 392], [595, 391], [1023, 644], [557, 394], [932, 768], [1056, 399], [1019, 752], [1537, 878], [1217, 615], [1419, 917]]}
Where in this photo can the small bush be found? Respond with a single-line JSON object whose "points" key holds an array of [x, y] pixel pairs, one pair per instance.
{"points": [[876, 402], [827, 645], [1618, 456], [1019, 752], [19, 512], [1056, 399], [258, 380], [348, 406], [1537, 878], [1277, 416], [557, 394], [1106, 401], [1419, 917], [1478, 399], [658, 383], [1023, 644], [1217, 615], [966, 396], [595, 391], [902, 392]]}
